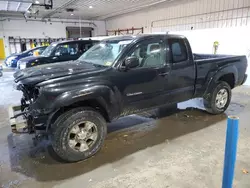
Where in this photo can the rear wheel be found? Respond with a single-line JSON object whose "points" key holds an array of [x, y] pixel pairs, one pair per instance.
{"points": [[219, 98], [78, 134]]}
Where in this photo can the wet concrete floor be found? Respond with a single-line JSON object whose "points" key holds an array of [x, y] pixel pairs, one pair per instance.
{"points": [[137, 144]]}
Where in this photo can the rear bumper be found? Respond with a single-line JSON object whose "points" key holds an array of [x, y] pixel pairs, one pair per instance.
{"points": [[244, 80]]}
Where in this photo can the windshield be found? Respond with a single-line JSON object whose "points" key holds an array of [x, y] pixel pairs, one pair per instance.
{"points": [[104, 53], [26, 51], [47, 52]]}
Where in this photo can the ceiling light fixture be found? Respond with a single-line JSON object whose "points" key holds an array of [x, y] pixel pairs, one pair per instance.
{"points": [[37, 2], [90, 6]]}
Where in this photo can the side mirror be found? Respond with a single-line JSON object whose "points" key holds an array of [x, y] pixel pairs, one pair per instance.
{"points": [[132, 62], [58, 54], [55, 58]]}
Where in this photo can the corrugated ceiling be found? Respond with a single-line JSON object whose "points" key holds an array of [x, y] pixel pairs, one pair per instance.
{"points": [[83, 9], [17, 6]]}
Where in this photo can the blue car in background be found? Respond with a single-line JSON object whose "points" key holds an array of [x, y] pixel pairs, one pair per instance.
{"points": [[11, 61]]}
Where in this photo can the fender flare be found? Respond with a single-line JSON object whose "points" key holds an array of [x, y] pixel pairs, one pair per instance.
{"points": [[104, 95], [215, 76]]}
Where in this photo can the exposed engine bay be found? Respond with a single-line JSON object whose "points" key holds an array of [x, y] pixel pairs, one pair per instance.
{"points": [[30, 94]]}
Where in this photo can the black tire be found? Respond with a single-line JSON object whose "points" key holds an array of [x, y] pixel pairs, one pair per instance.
{"points": [[60, 133], [210, 99]]}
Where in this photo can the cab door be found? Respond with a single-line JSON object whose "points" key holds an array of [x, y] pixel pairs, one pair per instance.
{"points": [[144, 86], [181, 78]]}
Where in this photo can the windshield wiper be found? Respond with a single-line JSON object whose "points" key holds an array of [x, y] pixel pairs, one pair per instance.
{"points": [[81, 61], [94, 64], [98, 65]]}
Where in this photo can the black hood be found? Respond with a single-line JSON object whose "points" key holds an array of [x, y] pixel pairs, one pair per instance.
{"points": [[32, 59], [41, 73]]}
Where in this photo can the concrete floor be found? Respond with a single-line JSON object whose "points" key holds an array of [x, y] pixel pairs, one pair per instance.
{"points": [[181, 149]]}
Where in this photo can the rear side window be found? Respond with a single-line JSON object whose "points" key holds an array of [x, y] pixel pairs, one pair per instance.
{"points": [[84, 46], [178, 50]]}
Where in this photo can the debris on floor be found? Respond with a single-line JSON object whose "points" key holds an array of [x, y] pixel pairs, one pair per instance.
{"points": [[244, 171]]}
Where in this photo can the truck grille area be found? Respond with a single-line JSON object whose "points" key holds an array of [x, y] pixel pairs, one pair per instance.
{"points": [[30, 94], [25, 91]]}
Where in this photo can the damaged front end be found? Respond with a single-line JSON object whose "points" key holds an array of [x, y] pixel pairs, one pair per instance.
{"points": [[22, 118]]}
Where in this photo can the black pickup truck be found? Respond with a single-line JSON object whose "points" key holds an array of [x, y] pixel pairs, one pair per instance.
{"points": [[73, 101]]}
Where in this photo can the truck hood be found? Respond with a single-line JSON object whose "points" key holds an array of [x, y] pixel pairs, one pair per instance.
{"points": [[41, 73]]}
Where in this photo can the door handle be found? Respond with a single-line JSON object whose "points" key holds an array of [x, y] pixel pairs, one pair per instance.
{"points": [[163, 74]]}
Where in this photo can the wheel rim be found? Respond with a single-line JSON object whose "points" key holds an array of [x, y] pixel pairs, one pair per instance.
{"points": [[82, 136], [221, 98]]}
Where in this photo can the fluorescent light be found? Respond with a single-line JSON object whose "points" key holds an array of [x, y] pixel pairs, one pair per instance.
{"points": [[37, 2], [90, 6]]}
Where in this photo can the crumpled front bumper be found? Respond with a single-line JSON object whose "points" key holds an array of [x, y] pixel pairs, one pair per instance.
{"points": [[17, 121], [24, 122]]}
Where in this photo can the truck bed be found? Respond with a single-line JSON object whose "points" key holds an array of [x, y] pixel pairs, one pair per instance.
{"points": [[209, 64], [210, 56]]}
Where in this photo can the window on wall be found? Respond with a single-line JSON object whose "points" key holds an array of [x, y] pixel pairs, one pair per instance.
{"points": [[150, 54], [178, 50]]}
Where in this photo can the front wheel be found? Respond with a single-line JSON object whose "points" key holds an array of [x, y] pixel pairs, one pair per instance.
{"points": [[78, 134], [219, 98]]}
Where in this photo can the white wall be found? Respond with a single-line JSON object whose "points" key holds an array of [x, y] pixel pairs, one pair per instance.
{"points": [[234, 41], [33, 29], [183, 14]]}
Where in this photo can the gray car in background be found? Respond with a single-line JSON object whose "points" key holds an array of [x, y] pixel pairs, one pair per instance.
{"points": [[1, 70]]}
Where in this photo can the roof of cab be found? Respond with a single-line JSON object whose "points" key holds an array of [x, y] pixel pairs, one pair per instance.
{"points": [[69, 41], [141, 36], [96, 38], [129, 37], [38, 47]]}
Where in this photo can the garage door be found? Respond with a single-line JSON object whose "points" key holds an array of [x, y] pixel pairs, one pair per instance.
{"points": [[77, 32]]}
